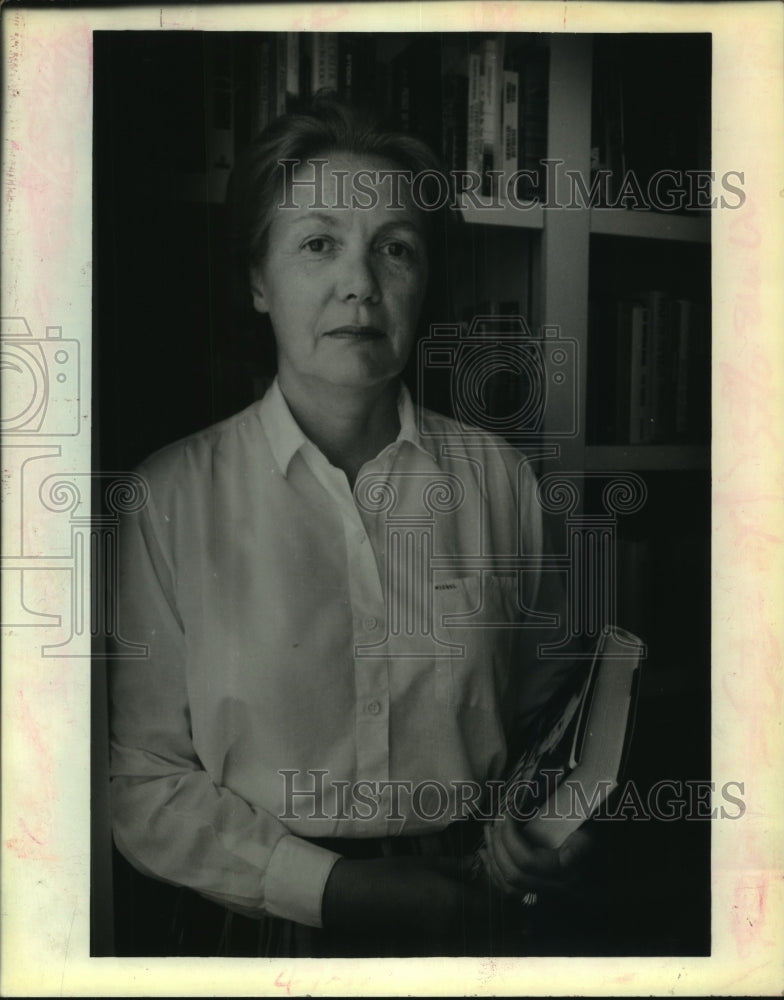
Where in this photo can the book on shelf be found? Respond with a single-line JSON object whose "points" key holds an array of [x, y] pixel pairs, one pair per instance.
{"points": [[634, 372], [492, 116], [287, 78], [608, 145], [506, 114], [661, 424], [415, 77], [262, 99], [454, 123], [358, 72], [492, 95], [323, 50], [575, 756], [474, 113], [509, 121], [662, 383], [532, 65]]}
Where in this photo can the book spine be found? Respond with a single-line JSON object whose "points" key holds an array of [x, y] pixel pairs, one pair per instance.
{"points": [[324, 62], [347, 68], [261, 100], [509, 122], [474, 120], [292, 66], [454, 97], [624, 371], [639, 389], [683, 349], [534, 84], [661, 423], [402, 90], [491, 111]]}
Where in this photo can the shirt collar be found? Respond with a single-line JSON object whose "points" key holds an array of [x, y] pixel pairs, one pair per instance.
{"points": [[286, 437], [409, 429]]}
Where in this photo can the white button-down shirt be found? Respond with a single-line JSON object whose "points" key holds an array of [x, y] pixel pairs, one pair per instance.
{"points": [[321, 661]]}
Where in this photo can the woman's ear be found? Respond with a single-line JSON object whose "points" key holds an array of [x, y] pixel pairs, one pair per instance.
{"points": [[257, 290]]}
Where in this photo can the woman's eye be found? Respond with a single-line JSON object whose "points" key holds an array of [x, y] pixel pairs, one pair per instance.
{"points": [[317, 244], [396, 249]]}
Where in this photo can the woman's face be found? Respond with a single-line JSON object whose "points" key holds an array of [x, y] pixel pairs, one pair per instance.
{"points": [[343, 285]]}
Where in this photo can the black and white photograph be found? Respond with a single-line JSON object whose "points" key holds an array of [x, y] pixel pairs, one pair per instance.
{"points": [[413, 542]]}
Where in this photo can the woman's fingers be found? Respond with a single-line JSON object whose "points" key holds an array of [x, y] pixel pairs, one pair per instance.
{"points": [[516, 865]]}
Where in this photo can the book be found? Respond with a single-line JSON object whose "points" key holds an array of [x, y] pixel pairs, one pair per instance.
{"points": [[323, 62], [261, 104], [287, 71], [491, 74], [638, 373], [599, 743], [454, 100], [608, 142], [660, 410], [358, 70], [474, 115], [533, 64], [509, 123], [576, 755], [416, 78]]}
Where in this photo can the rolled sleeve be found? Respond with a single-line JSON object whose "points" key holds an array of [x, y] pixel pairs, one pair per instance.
{"points": [[296, 876]]}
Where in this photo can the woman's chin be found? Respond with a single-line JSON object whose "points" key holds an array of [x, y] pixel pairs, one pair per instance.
{"points": [[361, 374]]}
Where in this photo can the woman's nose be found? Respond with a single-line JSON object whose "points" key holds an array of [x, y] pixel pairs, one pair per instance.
{"points": [[358, 278]]}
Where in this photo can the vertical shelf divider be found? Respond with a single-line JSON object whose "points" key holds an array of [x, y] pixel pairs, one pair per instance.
{"points": [[565, 239]]}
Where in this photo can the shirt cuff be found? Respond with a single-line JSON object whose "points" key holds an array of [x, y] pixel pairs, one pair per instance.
{"points": [[297, 873]]}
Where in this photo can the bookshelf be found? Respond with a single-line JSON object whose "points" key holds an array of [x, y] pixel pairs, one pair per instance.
{"points": [[171, 360]]}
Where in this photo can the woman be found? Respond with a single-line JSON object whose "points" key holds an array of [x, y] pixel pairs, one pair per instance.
{"points": [[310, 722]]}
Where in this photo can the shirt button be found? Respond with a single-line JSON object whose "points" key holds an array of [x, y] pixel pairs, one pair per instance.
{"points": [[371, 623], [374, 707]]}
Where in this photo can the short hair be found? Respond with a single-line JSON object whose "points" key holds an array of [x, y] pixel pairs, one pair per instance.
{"points": [[324, 126]]}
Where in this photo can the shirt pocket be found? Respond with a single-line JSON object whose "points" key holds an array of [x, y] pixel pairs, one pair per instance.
{"points": [[474, 615]]}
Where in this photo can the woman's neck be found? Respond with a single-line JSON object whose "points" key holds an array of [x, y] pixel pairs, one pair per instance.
{"points": [[349, 426]]}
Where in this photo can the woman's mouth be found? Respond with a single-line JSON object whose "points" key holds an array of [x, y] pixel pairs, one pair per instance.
{"points": [[355, 333]]}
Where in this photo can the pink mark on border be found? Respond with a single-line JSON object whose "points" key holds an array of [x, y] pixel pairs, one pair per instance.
{"points": [[37, 798], [748, 914]]}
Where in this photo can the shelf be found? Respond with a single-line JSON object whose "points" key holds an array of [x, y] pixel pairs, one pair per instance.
{"points": [[650, 225], [603, 221], [647, 458], [502, 213]]}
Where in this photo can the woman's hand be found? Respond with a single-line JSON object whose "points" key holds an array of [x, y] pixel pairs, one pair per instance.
{"points": [[516, 866], [433, 904], [441, 905]]}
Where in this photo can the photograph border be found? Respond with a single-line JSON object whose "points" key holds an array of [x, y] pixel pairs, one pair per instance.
{"points": [[46, 751]]}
